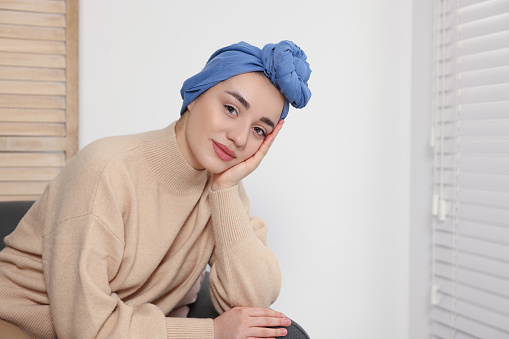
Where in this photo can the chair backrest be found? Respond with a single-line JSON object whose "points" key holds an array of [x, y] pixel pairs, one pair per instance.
{"points": [[11, 212]]}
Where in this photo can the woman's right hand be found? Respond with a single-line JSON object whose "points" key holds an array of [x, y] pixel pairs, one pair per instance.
{"points": [[250, 322]]}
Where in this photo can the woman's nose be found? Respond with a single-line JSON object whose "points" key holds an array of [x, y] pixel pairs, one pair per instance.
{"points": [[238, 134]]}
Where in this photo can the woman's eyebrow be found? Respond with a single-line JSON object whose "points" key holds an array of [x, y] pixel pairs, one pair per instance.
{"points": [[240, 98], [268, 121]]}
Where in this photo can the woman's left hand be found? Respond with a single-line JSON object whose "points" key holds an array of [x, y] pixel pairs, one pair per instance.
{"points": [[233, 175]]}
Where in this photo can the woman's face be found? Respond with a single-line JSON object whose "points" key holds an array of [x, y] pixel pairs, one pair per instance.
{"points": [[228, 123]]}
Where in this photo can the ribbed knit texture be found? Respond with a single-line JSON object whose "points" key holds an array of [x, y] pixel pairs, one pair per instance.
{"points": [[121, 235], [194, 328]]}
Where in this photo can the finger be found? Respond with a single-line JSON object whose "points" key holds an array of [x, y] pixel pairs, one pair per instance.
{"points": [[277, 128], [262, 332], [272, 136], [262, 312], [265, 146], [269, 322]]}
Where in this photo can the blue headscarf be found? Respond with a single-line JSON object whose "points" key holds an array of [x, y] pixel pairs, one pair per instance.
{"points": [[284, 63]]}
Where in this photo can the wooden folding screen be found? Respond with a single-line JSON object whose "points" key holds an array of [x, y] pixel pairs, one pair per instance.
{"points": [[38, 93]]}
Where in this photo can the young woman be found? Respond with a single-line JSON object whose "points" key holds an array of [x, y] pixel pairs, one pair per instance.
{"points": [[117, 243]]}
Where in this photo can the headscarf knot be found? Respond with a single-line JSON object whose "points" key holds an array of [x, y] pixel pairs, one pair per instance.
{"points": [[285, 64]]}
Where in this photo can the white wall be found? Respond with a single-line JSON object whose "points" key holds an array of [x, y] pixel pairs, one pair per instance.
{"points": [[421, 173], [335, 186]]}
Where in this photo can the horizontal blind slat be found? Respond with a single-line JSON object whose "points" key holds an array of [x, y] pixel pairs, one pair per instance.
{"points": [[31, 101], [473, 295], [488, 110], [485, 77], [30, 60], [483, 44], [28, 173], [499, 92], [481, 315], [474, 128], [483, 183], [473, 262], [440, 331], [32, 19], [32, 87], [475, 145], [483, 197], [42, 6], [483, 163], [32, 129], [474, 246], [495, 24], [492, 59], [486, 128], [466, 3], [481, 146], [31, 115], [32, 46], [483, 214], [481, 231], [481, 281], [30, 159], [32, 33], [31, 73], [36, 144], [465, 326], [444, 332], [483, 11]]}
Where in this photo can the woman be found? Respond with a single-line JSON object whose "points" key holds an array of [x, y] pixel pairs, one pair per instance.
{"points": [[117, 243]]}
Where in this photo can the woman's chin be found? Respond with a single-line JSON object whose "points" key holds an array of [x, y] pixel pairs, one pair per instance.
{"points": [[217, 168]]}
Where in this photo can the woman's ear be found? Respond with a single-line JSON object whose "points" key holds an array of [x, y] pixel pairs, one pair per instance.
{"points": [[190, 106]]}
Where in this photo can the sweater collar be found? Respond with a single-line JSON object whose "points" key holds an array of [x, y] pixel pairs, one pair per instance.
{"points": [[169, 165]]}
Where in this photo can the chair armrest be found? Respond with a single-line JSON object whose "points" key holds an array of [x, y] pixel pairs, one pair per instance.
{"points": [[203, 308], [11, 212]]}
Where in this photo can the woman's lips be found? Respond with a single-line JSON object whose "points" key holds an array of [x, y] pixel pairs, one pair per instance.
{"points": [[223, 151]]}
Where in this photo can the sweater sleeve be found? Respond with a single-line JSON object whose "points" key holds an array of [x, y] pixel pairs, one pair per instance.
{"points": [[82, 261], [244, 271]]}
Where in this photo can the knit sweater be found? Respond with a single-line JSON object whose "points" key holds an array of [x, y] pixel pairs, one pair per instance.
{"points": [[120, 236]]}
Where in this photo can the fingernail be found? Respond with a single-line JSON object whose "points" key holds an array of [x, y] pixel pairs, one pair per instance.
{"points": [[283, 331], [282, 315], [287, 322]]}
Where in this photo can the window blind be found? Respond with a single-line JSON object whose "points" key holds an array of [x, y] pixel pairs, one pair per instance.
{"points": [[470, 139]]}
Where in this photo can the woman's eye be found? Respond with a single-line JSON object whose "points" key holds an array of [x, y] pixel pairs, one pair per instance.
{"points": [[231, 109], [259, 131]]}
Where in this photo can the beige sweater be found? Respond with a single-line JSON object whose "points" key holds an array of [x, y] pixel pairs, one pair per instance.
{"points": [[120, 237]]}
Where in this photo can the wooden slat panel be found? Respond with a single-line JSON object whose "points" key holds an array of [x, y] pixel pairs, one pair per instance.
{"points": [[38, 93], [32, 60], [26, 159], [32, 33], [72, 79], [34, 6], [31, 101], [32, 87], [36, 144], [19, 197], [32, 19], [32, 46], [28, 173], [31, 115], [23, 187], [31, 129], [35, 74]]}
